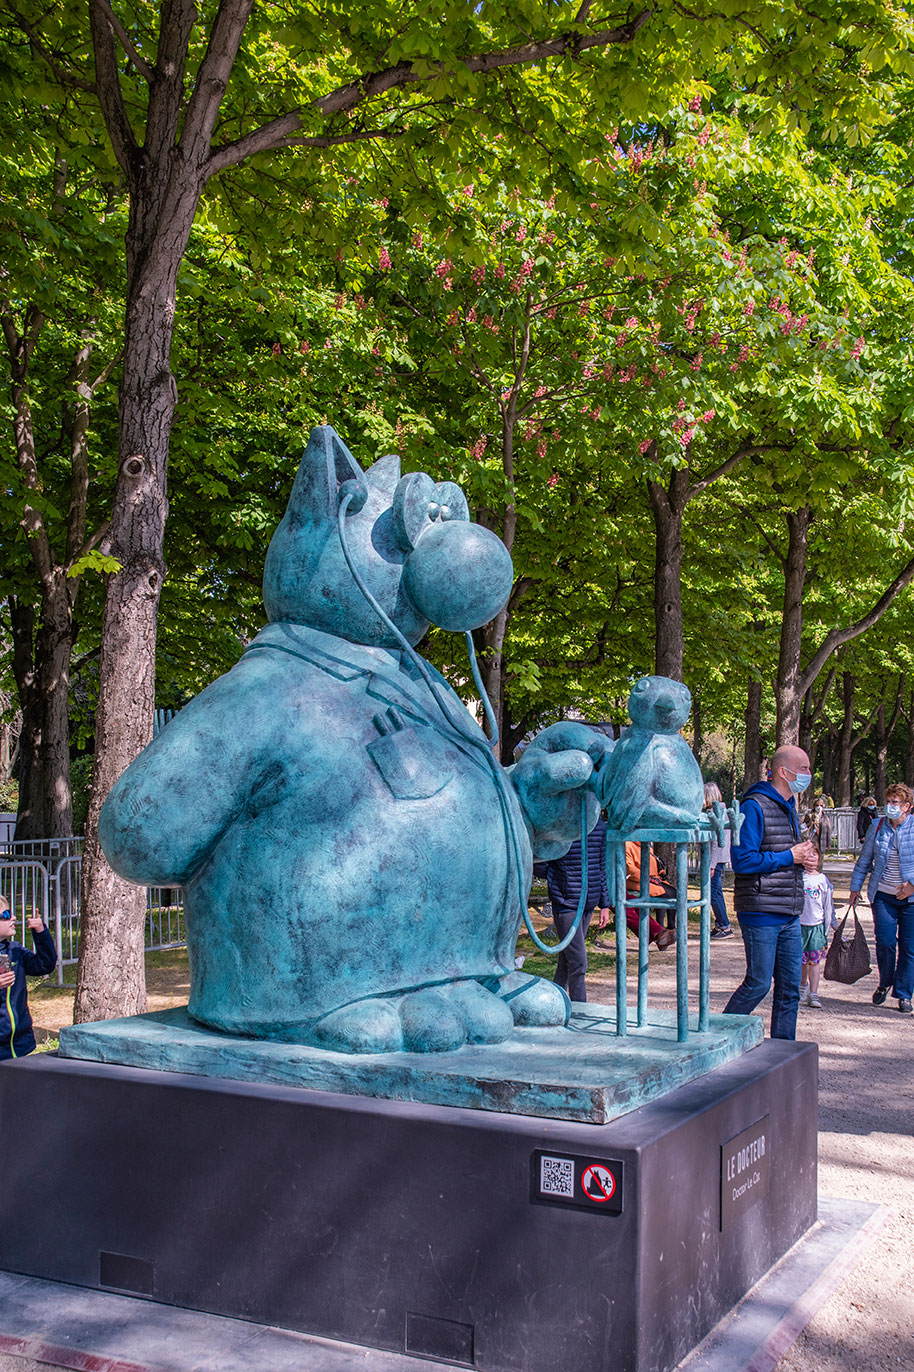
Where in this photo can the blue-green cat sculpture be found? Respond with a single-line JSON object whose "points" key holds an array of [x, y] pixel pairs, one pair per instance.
{"points": [[354, 858]]}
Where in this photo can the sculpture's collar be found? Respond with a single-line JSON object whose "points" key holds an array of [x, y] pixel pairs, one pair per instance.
{"points": [[335, 655]]}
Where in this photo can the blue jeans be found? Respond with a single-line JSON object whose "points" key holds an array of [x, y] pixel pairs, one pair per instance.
{"points": [[718, 904], [893, 920], [572, 964], [772, 951]]}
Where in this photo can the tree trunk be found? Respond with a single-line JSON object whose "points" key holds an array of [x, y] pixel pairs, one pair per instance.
{"points": [[111, 979], [789, 688], [845, 750], [668, 505], [909, 752], [828, 765], [752, 751], [881, 740], [29, 770], [883, 735], [697, 735]]}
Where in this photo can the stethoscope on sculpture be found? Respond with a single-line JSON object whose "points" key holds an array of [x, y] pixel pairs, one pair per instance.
{"points": [[351, 491]]}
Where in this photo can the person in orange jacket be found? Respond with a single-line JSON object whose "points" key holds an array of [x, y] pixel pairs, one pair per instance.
{"points": [[663, 938]]}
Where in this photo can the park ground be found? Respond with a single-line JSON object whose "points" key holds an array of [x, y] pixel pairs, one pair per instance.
{"points": [[866, 1116]]}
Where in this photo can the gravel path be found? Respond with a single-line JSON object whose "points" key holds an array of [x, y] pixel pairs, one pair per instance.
{"points": [[866, 1118]]}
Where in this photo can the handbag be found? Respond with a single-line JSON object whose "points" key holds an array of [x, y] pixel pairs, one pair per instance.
{"points": [[850, 961]]}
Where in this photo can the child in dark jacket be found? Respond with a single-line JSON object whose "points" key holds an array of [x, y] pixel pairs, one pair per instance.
{"points": [[16, 1035]]}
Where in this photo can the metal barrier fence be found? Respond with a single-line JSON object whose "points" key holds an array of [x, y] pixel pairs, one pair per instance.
{"points": [[41, 877]]}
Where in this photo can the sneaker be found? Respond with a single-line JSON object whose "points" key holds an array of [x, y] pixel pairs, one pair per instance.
{"points": [[905, 1007], [722, 932], [804, 994], [880, 994], [814, 1002]]}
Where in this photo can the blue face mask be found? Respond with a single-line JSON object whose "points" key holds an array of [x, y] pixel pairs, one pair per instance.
{"points": [[893, 811], [800, 782]]}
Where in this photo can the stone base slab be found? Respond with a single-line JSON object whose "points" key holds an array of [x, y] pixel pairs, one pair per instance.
{"points": [[582, 1072]]}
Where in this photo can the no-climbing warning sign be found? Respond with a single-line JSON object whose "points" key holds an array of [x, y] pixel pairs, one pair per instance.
{"points": [[593, 1184]]}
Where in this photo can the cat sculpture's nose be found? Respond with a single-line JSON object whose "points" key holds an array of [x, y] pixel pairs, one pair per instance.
{"points": [[458, 575]]}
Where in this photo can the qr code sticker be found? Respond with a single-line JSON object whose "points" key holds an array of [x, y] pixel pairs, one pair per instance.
{"points": [[557, 1177]]}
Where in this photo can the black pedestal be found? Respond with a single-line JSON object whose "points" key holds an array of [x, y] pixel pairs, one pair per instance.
{"points": [[415, 1228]]}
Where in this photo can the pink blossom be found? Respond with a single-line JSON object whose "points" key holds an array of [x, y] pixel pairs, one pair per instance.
{"points": [[471, 315], [517, 285], [521, 233], [695, 364], [749, 309], [550, 314], [685, 438], [541, 448], [340, 301], [584, 308], [680, 404], [704, 135], [479, 275], [621, 339], [479, 446], [453, 319], [500, 271], [384, 260], [708, 416], [526, 267], [304, 346], [539, 392], [553, 480], [375, 350], [468, 191], [695, 104], [714, 340], [489, 323], [328, 344], [857, 349], [743, 353], [384, 203], [609, 312], [643, 446], [444, 269], [609, 263], [277, 349]]}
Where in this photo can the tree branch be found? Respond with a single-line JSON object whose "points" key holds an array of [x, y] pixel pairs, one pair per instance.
{"points": [[213, 78], [270, 137], [123, 38], [286, 131], [61, 74], [405, 73], [836, 637], [718, 472], [108, 89]]}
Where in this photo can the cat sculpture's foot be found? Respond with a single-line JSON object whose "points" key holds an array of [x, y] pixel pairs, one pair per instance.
{"points": [[533, 1002], [439, 1019]]}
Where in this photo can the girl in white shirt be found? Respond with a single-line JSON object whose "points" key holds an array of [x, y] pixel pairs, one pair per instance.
{"points": [[817, 919]]}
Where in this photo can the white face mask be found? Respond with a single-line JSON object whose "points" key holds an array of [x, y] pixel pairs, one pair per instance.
{"points": [[893, 810]]}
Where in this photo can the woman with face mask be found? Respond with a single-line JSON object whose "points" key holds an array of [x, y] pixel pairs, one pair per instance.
{"points": [[888, 854], [865, 816]]}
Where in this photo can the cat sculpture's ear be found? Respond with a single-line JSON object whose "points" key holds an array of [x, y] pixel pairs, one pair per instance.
{"points": [[384, 474], [326, 464]]}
